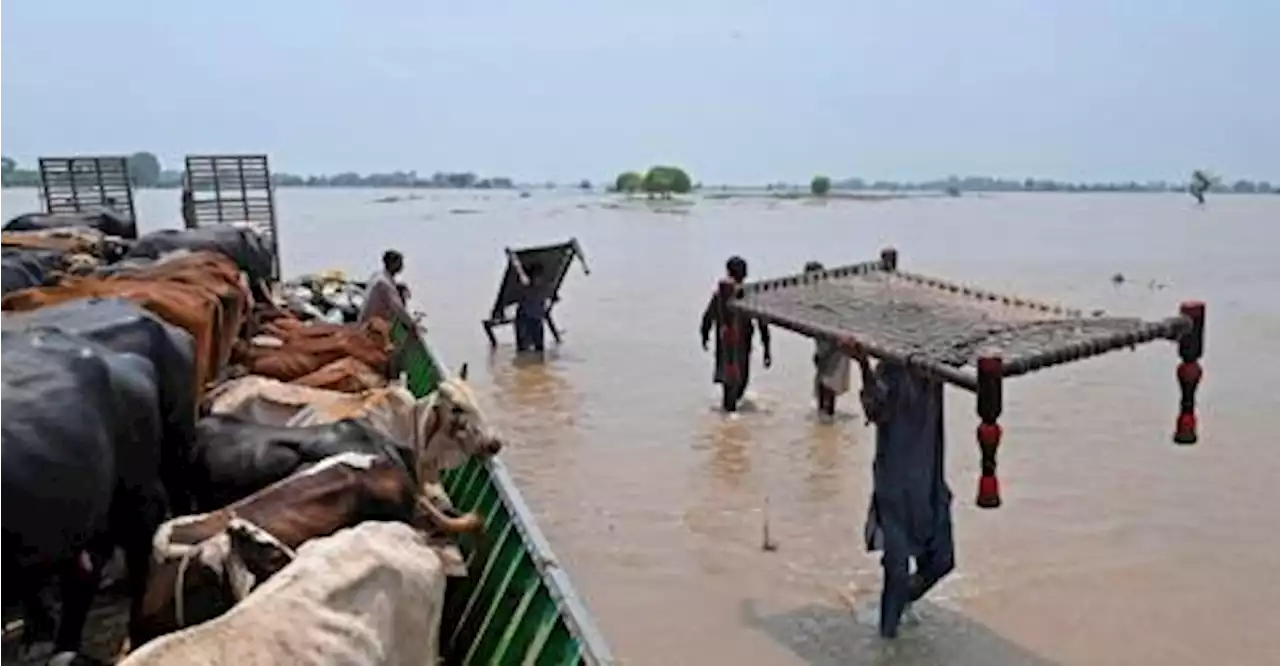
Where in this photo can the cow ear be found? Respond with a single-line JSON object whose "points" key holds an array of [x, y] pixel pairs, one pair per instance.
{"points": [[462, 372]]}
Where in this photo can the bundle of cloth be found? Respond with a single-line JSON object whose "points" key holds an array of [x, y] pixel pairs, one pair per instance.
{"points": [[328, 296]]}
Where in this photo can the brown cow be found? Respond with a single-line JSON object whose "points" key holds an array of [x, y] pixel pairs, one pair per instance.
{"points": [[440, 431], [72, 240], [287, 349], [187, 307], [348, 375], [198, 573], [213, 272]]}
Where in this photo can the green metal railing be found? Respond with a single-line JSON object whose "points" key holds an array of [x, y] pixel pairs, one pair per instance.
{"points": [[517, 606]]}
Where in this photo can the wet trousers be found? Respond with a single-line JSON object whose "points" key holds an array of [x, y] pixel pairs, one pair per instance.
{"points": [[732, 391], [530, 333], [826, 400], [901, 585]]}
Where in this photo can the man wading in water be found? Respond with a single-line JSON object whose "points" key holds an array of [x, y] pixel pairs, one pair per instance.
{"points": [[734, 336], [531, 311], [831, 367], [910, 514]]}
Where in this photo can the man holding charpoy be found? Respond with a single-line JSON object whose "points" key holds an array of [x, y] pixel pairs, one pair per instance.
{"points": [[734, 333], [910, 514]]}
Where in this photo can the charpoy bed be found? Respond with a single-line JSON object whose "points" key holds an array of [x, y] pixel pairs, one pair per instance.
{"points": [[966, 336], [555, 261]]}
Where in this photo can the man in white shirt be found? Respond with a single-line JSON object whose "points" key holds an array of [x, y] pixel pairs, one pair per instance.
{"points": [[381, 296]]}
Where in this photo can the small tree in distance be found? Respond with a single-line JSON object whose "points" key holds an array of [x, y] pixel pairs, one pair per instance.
{"points": [[820, 186], [628, 182], [667, 180]]}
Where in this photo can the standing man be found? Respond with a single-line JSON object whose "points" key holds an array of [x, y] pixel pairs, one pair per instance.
{"points": [[831, 367], [531, 311], [382, 297], [734, 333], [910, 514]]}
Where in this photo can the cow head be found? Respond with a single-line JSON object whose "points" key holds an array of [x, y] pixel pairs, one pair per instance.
{"points": [[454, 428]]}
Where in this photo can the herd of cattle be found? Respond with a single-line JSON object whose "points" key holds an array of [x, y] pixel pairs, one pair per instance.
{"points": [[271, 482]]}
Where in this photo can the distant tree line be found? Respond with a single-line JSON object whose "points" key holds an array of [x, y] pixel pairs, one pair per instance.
{"points": [[145, 171], [988, 184]]}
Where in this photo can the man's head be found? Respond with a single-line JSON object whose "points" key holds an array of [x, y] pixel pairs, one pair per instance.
{"points": [[736, 267], [392, 262], [533, 270], [404, 291]]}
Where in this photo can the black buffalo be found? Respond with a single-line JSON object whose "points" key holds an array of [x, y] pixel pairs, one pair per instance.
{"points": [[248, 249], [233, 458], [106, 220], [125, 327], [29, 267], [80, 471]]}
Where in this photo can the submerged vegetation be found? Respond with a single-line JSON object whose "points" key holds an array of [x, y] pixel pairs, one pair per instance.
{"points": [[659, 180]]}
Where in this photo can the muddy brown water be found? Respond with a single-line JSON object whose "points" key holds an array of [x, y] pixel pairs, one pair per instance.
{"points": [[1113, 547]]}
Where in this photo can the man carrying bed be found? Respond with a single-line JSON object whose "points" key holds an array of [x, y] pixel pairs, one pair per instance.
{"points": [[910, 514]]}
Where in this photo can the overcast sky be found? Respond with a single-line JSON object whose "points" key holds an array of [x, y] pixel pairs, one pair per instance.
{"points": [[743, 91]]}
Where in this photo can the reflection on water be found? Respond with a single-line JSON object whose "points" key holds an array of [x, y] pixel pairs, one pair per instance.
{"points": [[1113, 547]]}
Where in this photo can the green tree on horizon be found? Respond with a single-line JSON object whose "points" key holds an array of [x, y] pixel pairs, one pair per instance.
{"points": [[144, 169], [666, 180], [628, 182], [820, 186], [9, 163]]}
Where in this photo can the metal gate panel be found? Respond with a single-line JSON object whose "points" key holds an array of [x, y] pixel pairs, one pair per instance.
{"points": [[232, 189], [86, 182]]}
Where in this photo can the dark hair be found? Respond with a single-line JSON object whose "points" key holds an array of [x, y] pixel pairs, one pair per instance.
{"points": [[403, 289], [392, 258], [736, 267], [533, 269], [813, 267]]}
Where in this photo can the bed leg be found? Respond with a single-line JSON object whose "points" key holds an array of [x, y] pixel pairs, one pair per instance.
{"points": [[990, 404], [551, 326], [1190, 349]]}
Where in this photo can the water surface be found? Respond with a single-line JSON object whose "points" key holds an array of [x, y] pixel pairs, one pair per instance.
{"points": [[1113, 547]]}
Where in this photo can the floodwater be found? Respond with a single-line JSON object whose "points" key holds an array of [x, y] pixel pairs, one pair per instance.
{"points": [[1114, 546]]}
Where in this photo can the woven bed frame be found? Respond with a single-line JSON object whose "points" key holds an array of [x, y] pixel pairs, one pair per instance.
{"points": [[966, 336], [555, 260]]}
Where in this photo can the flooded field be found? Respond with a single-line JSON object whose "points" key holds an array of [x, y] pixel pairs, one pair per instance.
{"points": [[1113, 547]]}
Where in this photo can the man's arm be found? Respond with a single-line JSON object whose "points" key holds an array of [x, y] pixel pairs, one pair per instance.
{"points": [[710, 317], [766, 341], [876, 394]]}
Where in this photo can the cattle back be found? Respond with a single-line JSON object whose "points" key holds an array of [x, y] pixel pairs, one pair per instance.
{"points": [[105, 220], [123, 326], [232, 457], [182, 305], [80, 421], [24, 268], [217, 276], [248, 249], [318, 609]]}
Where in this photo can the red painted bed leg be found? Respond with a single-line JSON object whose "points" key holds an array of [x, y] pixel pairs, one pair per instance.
{"points": [[990, 404], [1190, 349]]}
